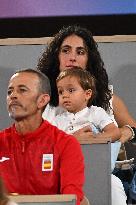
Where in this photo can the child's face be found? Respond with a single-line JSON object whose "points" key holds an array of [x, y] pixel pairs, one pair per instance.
{"points": [[72, 97]]}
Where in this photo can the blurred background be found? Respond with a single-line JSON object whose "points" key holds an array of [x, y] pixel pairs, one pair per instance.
{"points": [[37, 18]]}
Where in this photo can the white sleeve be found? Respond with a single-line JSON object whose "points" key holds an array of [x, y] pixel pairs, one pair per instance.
{"points": [[101, 118]]}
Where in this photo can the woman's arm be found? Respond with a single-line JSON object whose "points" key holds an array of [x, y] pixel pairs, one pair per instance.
{"points": [[123, 117], [121, 113], [126, 134]]}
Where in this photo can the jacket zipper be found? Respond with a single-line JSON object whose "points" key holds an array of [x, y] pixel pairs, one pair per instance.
{"points": [[23, 146]]}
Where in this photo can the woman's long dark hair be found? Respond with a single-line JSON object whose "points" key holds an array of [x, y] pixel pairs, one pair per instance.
{"points": [[49, 64]]}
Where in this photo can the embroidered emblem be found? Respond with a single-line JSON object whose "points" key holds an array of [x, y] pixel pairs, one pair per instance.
{"points": [[47, 162], [4, 159]]}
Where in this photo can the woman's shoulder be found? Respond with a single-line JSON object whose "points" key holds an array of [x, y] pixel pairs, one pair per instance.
{"points": [[51, 112], [94, 108]]}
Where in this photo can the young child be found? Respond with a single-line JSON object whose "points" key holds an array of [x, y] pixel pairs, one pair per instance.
{"points": [[76, 90]]}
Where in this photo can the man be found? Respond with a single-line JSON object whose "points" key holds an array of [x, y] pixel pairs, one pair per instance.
{"points": [[35, 156]]}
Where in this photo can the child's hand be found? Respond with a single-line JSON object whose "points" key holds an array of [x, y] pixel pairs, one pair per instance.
{"points": [[84, 133]]}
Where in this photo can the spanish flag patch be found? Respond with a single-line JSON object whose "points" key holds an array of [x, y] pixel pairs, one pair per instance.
{"points": [[47, 162]]}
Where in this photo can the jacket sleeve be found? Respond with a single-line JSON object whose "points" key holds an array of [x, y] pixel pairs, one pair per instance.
{"points": [[72, 168]]}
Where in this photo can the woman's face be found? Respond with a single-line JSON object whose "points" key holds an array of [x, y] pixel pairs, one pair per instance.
{"points": [[73, 53]]}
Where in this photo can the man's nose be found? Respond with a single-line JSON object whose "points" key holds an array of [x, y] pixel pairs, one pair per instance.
{"points": [[13, 95]]}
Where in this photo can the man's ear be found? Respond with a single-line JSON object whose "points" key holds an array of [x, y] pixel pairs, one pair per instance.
{"points": [[43, 100], [88, 94]]}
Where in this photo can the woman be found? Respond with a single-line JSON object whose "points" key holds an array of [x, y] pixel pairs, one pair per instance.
{"points": [[71, 47], [74, 46]]}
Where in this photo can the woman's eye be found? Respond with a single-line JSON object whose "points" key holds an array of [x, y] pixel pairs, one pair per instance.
{"points": [[65, 50], [81, 52]]}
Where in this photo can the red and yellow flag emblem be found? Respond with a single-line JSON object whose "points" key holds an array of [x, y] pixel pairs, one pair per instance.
{"points": [[47, 162]]}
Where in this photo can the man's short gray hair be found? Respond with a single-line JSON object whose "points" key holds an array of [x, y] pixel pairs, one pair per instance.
{"points": [[44, 83]]}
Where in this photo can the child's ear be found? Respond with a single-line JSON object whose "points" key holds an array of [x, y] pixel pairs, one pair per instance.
{"points": [[43, 100], [88, 94]]}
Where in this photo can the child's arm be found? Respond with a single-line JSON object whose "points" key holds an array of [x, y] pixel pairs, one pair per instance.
{"points": [[111, 131]]}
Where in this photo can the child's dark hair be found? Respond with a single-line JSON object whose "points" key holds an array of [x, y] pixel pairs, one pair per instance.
{"points": [[85, 79]]}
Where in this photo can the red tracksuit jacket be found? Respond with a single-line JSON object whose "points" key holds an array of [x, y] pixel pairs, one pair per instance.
{"points": [[46, 161]]}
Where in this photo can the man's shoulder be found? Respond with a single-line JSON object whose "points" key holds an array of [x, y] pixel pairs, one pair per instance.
{"points": [[5, 134], [6, 131]]}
